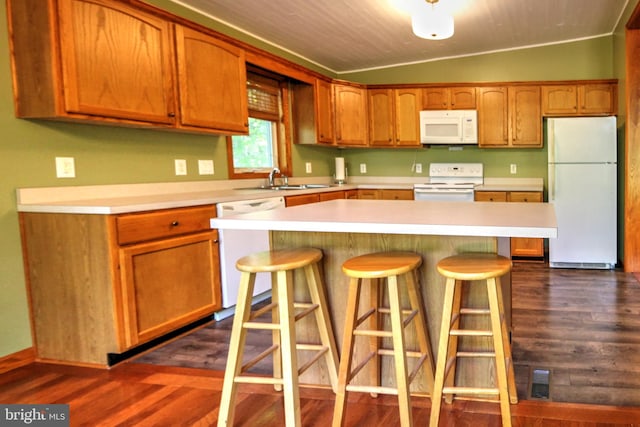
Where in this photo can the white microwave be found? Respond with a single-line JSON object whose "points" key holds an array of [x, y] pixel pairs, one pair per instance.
{"points": [[448, 127]]}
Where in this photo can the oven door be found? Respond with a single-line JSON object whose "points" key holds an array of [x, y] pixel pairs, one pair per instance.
{"points": [[444, 194]]}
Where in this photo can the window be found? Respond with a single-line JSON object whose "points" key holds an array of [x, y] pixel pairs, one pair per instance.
{"points": [[267, 144]]}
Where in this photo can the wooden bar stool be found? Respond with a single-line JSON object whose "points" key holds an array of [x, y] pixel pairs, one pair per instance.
{"points": [[284, 313], [389, 266], [470, 267]]}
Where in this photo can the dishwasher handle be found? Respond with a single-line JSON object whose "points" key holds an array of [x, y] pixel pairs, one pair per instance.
{"points": [[248, 206]]}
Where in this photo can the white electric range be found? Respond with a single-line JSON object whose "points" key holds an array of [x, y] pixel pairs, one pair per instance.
{"points": [[450, 182]]}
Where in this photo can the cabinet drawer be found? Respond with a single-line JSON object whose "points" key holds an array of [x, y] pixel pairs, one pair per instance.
{"points": [[140, 227], [491, 196], [525, 196]]}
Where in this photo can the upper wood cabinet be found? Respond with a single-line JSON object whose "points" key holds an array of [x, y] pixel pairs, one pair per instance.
{"points": [[509, 117], [579, 99], [394, 117], [324, 112], [109, 62], [350, 114], [449, 98], [212, 82]]}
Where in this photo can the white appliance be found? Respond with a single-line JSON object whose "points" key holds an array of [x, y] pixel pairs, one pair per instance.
{"points": [[582, 187], [449, 127], [450, 182], [234, 244]]}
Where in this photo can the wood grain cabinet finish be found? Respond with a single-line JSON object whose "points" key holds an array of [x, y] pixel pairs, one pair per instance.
{"points": [[509, 117], [579, 99], [117, 280], [112, 63], [449, 98], [324, 112], [394, 117], [385, 194], [520, 246], [350, 115], [303, 199]]}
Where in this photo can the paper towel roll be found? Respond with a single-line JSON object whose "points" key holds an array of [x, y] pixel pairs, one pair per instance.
{"points": [[339, 168]]}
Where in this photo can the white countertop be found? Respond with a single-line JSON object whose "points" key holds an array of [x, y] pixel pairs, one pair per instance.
{"points": [[492, 219]]}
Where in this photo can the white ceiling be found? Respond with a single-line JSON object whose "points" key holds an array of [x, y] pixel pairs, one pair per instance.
{"points": [[350, 35]]}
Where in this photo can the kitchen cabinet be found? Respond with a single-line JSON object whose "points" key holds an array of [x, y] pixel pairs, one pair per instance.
{"points": [[579, 99], [509, 116], [449, 98], [394, 117], [108, 62], [301, 199], [350, 115], [331, 195], [520, 246], [312, 110], [324, 112], [118, 281], [212, 83], [385, 194]]}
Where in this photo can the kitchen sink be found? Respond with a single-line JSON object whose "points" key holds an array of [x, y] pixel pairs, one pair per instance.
{"points": [[287, 187]]}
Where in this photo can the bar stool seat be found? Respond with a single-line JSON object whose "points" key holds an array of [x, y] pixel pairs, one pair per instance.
{"points": [[284, 313], [374, 267], [473, 267]]}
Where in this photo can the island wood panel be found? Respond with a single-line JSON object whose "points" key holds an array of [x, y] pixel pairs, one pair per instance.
{"points": [[338, 247], [632, 152]]}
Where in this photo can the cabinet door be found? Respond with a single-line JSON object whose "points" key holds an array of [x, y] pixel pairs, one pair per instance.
{"points": [[407, 117], [525, 118], [463, 98], [522, 246], [435, 98], [332, 195], [490, 196], [558, 100], [381, 117], [597, 99], [324, 112], [212, 81], [116, 61], [366, 193], [301, 199], [169, 283], [493, 117], [351, 115], [386, 194]]}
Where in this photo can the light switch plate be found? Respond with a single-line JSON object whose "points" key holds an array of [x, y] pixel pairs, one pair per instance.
{"points": [[65, 167], [307, 167], [363, 168], [181, 166], [205, 167]]}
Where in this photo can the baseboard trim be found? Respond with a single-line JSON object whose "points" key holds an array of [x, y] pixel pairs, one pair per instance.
{"points": [[18, 359]]}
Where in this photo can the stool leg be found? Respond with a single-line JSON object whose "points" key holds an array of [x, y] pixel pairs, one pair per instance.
{"points": [[443, 347], [450, 376], [498, 343], [317, 292], [422, 331], [284, 285], [399, 351], [276, 333], [375, 324], [236, 350], [511, 378], [347, 351]]}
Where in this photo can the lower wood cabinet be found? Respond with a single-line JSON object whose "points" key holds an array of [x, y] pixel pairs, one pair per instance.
{"points": [[520, 246], [385, 194], [101, 284], [303, 199]]}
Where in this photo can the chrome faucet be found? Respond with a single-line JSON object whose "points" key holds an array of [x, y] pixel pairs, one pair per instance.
{"points": [[271, 176]]}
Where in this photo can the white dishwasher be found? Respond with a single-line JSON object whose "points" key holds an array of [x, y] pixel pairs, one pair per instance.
{"points": [[234, 244]]}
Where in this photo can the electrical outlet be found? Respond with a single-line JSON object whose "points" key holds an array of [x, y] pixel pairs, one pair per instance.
{"points": [[205, 167], [418, 167], [65, 167], [514, 168], [363, 168], [181, 166], [307, 167]]}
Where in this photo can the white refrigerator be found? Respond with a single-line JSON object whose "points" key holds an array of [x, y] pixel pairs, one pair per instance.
{"points": [[582, 187]]}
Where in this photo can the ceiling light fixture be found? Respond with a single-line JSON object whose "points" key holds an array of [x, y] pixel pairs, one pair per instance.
{"points": [[431, 22]]}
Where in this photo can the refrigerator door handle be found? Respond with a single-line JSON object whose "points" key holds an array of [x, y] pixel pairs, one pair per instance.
{"points": [[552, 182]]}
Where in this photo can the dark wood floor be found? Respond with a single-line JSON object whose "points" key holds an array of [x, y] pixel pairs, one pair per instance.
{"points": [[583, 325]]}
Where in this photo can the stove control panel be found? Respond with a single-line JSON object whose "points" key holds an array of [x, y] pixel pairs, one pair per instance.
{"points": [[456, 170]]}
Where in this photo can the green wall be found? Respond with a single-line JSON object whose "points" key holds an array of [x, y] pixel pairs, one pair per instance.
{"points": [[112, 155]]}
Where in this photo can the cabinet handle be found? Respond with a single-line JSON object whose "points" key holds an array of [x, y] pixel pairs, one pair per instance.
{"points": [[175, 223], [171, 114], [215, 241]]}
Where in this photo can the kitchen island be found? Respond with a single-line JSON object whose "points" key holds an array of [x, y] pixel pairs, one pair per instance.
{"points": [[347, 228]]}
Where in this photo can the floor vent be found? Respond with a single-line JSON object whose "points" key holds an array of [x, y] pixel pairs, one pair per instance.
{"points": [[540, 384]]}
